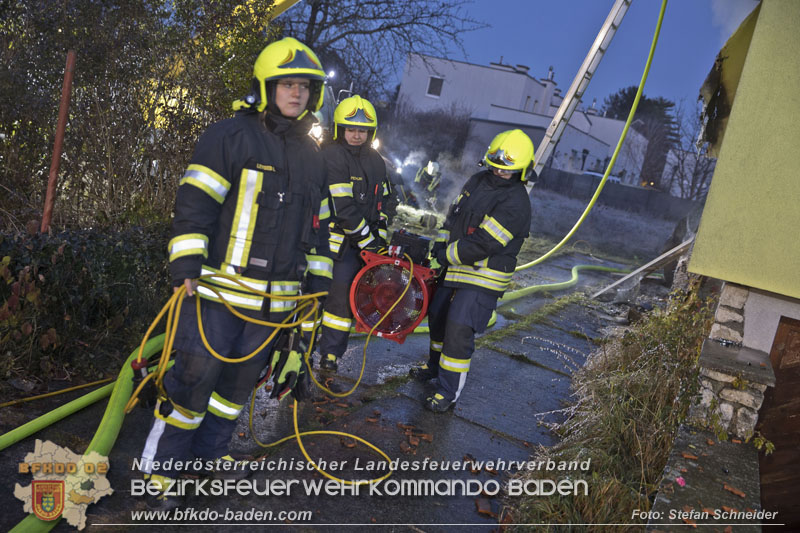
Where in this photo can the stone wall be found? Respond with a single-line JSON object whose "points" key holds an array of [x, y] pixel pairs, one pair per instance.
{"points": [[729, 318], [732, 378]]}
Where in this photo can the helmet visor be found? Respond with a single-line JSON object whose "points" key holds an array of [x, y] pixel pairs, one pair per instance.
{"points": [[502, 159]]}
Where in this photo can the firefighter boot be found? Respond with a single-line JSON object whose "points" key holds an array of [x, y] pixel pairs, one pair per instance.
{"points": [[423, 373], [438, 404], [329, 363], [164, 499]]}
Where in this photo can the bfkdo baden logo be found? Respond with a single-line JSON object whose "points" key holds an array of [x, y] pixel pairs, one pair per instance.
{"points": [[64, 483], [48, 499]]}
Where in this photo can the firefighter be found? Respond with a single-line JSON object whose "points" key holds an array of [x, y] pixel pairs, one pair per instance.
{"points": [[477, 249], [249, 205], [427, 182], [359, 192]]}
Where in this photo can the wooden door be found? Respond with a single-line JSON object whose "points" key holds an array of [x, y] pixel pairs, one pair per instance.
{"points": [[779, 421]]}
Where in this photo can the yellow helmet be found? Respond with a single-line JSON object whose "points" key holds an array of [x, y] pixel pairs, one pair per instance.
{"points": [[511, 150], [287, 58], [355, 112]]}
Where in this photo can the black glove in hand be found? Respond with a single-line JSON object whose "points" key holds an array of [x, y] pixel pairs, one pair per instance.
{"points": [[302, 389], [375, 244]]}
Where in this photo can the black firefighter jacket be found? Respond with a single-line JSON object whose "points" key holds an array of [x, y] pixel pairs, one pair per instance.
{"points": [[252, 204], [359, 191], [484, 231]]}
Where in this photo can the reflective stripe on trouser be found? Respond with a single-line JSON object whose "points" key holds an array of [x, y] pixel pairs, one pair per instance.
{"points": [[454, 316], [315, 284], [212, 392], [337, 318]]}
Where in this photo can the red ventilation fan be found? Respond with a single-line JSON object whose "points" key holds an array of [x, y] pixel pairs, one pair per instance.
{"points": [[377, 287]]}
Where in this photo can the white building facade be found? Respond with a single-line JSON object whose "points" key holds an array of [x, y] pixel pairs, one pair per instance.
{"points": [[499, 96]]}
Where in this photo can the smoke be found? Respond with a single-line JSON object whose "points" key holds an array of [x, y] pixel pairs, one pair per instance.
{"points": [[728, 14], [453, 174], [414, 159]]}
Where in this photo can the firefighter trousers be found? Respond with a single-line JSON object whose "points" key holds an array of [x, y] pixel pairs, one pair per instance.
{"points": [[310, 328], [455, 315], [210, 393], [337, 318]]}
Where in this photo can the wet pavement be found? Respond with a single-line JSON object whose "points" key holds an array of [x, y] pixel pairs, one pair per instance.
{"points": [[709, 483], [518, 384]]}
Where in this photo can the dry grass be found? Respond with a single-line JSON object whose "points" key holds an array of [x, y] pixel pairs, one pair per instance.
{"points": [[614, 231], [629, 401]]}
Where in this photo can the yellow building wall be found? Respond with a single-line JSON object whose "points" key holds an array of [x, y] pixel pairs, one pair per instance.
{"points": [[750, 229]]}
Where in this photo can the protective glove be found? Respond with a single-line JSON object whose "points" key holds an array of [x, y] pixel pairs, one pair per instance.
{"points": [[376, 243], [302, 389], [437, 245], [288, 369]]}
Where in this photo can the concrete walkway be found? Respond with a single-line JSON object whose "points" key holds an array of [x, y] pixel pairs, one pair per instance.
{"points": [[517, 385]]}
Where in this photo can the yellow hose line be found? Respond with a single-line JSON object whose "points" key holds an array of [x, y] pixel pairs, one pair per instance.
{"points": [[298, 434], [56, 393], [359, 439], [616, 150], [172, 310], [369, 335]]}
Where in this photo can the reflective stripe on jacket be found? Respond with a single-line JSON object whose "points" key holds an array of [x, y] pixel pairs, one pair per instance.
{"points": [[359, 189], [484, 231], [252, 204]]}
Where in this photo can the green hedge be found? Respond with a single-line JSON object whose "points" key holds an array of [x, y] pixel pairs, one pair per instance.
{"points": [[78, 302]]}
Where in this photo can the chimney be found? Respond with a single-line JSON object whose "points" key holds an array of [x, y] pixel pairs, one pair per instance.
{"points": [[593, 109], [550, 73]]}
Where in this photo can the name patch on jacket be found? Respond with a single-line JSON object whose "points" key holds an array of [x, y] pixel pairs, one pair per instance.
{"points": [[255, 261]]}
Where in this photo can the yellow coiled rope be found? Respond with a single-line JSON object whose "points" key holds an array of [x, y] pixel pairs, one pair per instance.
{"points": [[307, 309]]}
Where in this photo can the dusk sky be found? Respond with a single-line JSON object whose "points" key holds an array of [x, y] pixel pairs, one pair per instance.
{"points": [[540, 33]]}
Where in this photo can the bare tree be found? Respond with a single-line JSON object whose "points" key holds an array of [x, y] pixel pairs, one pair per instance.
{"points": [[367, 41], [689, 167]]}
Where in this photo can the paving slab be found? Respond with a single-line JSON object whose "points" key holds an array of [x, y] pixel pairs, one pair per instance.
{"points": [[547, 347], [385, 423], [580, 320], [385, 359], [395, 504], [509, 396], [704, 480], [559, 269]]}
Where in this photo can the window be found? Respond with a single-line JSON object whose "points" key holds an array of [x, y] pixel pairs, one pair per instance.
{"points": [[435, 86]]}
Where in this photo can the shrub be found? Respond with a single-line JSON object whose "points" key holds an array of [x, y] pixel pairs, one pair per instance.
{"points": [[78, 301]]}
